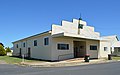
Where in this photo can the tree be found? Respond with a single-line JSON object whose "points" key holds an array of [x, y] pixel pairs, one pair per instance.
{"points": [[2, 44], [8, 49], [2, 51]]}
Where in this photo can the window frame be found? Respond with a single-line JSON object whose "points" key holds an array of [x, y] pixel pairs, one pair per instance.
{"points": [[105, 48], [35, 43], [61, 46], [24, 44], [17, 46], [46, 41], [118, 49], [95, 47]]}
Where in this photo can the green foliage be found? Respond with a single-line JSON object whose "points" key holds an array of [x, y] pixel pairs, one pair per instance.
{"points": [[15, 60], [2, 51], [116, 58], [2, 44], [8, 49]]}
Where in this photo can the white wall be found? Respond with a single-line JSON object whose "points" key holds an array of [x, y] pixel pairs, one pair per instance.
{"points": [[51, 52], [66, 54], [110, 43], [75, 21], [40, 51], [92, 53], [16, 50], [72, 28], [102, 45], [62, 54], [57, 29]]}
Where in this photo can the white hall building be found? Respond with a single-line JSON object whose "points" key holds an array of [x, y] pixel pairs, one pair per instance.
{"points": [[65, 41]]}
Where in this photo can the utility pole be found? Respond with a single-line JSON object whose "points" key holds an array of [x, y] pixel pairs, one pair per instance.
{"points": [[80, 26]]}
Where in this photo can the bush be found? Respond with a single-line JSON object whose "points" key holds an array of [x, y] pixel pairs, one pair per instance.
{"points": [[2, 51], [8, 49]]}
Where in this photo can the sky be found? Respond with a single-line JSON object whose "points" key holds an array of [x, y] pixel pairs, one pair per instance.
{"points": [[23, 18]]}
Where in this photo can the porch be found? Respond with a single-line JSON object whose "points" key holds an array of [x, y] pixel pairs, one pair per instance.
{"points": [[76, 46]]}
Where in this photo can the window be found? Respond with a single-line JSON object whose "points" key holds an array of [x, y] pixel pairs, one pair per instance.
{"points": [[46, 41], [92, 47], [23, 44], [63, 46], [105, 48], [118, 49], [35, 42], [17, 46]]}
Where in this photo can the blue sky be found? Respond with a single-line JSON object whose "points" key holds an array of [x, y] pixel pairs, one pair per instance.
{"points": [[23, 18]]}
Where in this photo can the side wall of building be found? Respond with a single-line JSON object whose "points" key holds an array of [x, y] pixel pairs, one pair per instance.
{"points": [[51, 51], [16, 51], [40, 51], [104, 52], [107, 45]]}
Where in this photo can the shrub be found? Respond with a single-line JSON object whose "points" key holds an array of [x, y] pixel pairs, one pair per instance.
{"points": [[8, 49], [2, 51]]}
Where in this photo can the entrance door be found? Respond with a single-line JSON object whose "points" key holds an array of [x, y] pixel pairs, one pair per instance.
{"points": [[76, 52], [79, 49], [29, 53], [20, 53]]}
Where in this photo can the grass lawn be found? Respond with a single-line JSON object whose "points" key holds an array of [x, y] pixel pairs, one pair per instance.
{"points": [[116, 58], [15, 60]]}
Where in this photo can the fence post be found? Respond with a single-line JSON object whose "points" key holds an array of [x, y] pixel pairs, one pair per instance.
{"points": [[23, 58]]}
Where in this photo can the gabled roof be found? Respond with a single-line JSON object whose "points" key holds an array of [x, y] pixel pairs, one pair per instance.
{"points": [[116, 44], [33, 36], [109, 37]]}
